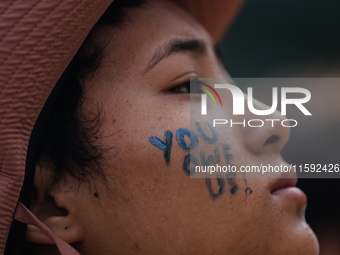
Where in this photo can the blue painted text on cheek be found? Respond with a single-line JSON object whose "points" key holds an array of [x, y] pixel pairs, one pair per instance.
{"points": [[187, 160], [204, 136], [211, 160], [180, 133], [220, 189], [230, 175], [190, 159], [166, 146]]}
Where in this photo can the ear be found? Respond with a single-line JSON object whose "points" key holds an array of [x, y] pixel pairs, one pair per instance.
{"points": [[53, 208]]}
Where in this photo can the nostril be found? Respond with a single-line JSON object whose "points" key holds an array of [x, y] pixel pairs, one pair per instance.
{"points": [[271, 140]]}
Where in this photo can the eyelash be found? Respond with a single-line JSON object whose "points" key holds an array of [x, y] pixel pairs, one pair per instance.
{"points": [[182, 88], [219, 51], [185, 88]]}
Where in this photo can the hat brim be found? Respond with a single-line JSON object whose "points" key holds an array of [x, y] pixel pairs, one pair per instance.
{"points": [[215, 15]]}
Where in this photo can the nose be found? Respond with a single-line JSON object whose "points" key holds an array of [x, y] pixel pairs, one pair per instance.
{"points": [[272, 136]]}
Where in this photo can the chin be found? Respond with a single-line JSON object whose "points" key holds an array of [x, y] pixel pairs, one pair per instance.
{"points": [[299, 240], [308, 243], [300, 237]]}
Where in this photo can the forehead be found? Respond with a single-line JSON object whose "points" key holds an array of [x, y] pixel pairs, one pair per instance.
{"points": [[129, 47]]}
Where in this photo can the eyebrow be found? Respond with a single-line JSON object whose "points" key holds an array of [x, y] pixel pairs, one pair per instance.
{"points": [[175, 45]]}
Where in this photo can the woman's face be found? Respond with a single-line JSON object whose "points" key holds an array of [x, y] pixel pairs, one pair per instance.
{"points": [[150, 205]]}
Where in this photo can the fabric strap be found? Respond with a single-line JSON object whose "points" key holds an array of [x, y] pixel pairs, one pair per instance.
{"points": [[24, 215]]}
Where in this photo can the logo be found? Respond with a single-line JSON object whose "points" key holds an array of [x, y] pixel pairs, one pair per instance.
{"points": [[238, 99], [204, 97]]}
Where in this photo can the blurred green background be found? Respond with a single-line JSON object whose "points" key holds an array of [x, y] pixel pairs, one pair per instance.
{"points": [[272, 34]]}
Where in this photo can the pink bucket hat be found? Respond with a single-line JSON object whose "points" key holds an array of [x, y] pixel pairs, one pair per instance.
{"points": [[38, 39]]}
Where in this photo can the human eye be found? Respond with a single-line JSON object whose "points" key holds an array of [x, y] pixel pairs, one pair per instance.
{"points": [[182, 88], [219, 51], [185, 88]]}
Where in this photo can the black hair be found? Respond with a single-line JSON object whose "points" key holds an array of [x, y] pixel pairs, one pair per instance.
{"points": [[66, 138], [71, 139]]}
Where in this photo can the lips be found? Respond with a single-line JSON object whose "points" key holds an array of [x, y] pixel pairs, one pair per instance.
{"points": [[286, 188]]}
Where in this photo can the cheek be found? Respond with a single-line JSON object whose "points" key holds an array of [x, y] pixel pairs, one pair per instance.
{"points": [[158, 163], [146, 166], [149, 174], [155, 148]]}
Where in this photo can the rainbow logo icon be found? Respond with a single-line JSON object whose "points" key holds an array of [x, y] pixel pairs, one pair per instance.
{"points": [[209, 93]]}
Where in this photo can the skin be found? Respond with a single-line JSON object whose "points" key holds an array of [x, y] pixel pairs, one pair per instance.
{"points": [[147, 207]]}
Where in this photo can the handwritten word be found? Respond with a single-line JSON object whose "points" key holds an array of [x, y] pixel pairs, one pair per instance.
{"points": [[189, 159]]}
